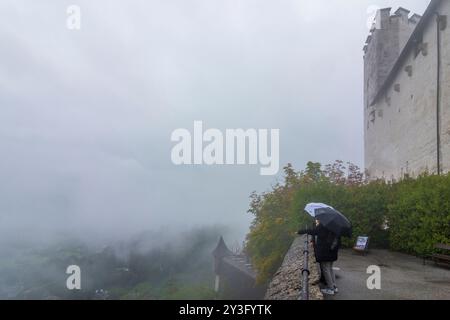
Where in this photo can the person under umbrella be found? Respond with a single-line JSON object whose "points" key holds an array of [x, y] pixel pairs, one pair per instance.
{"points": [[330, 218], [330, 226]]}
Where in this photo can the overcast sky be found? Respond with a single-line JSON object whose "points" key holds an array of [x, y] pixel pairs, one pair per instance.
{"points": [[86, 116]]}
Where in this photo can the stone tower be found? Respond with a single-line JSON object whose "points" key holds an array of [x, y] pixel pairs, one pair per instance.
{"points": [[407, 93], [387, 38]]}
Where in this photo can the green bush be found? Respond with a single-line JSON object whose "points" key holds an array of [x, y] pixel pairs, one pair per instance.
{"points": [[419, 216]]}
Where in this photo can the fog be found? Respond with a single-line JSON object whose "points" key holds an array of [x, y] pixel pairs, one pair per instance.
{"points": [[86, 115]]}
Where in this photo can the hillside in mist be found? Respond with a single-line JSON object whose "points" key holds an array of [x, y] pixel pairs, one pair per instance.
{"points": [[149, 265]]}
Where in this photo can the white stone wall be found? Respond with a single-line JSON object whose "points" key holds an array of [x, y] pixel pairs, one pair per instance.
{"points": [[445, 94], [402, 138]]}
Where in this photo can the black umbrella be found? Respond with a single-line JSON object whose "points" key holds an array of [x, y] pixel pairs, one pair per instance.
{"points": [[331, 219]]}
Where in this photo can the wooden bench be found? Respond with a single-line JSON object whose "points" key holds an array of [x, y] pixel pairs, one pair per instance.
{"points": [[440, 258]]}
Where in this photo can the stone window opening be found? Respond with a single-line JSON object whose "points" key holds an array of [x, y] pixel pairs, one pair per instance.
{"points": [[380, 113], [409, 70], [419, 46], [387, 99], [372, 116]]}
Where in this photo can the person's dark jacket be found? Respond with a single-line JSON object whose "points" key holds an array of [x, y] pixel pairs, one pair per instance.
{"points": [[326, 243]]}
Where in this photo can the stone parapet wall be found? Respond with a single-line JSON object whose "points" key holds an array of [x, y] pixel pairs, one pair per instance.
{"points": [[287, 281]]}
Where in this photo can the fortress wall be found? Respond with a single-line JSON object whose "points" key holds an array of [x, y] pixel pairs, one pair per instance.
{"points": [[400, 129]]}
